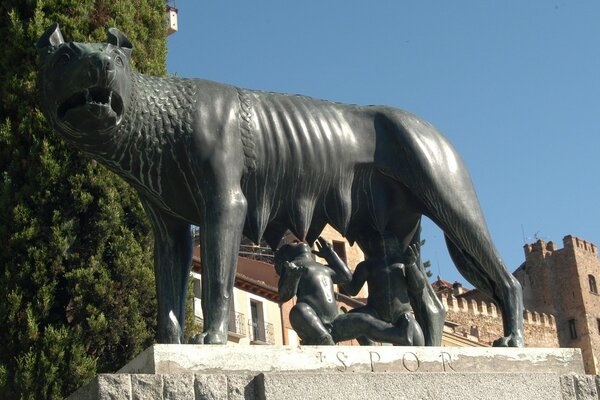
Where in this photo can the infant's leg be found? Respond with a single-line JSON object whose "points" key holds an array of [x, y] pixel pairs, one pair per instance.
{"points": [[354, 325], [309, 326], [406, 332], [410, 329], [363, 340]]}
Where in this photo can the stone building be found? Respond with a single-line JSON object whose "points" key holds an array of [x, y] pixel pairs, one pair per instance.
{"points": [[563, 282]]}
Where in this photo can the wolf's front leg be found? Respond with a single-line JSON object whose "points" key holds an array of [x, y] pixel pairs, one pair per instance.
{"points": [[172, 264], [220, 237]]}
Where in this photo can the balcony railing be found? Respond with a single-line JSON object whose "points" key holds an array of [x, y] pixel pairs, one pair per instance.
{"points": [[259, 253], [264, 254], [237, 324], [261, 332]]}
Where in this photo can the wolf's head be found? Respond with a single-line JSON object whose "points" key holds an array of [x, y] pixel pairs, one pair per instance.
{"points": [[85, 87]]}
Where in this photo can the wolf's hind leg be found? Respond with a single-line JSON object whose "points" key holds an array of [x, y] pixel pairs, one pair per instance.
{"points": [[493, 279]]}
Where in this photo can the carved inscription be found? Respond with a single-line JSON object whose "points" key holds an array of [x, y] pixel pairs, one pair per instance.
{"points": [[447, 361], [411, 362], [408, 361], [321, 356], [341, 356], [373, 361]]}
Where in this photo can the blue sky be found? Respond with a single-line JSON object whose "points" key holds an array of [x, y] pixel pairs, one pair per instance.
{"points": [[514, 85]]}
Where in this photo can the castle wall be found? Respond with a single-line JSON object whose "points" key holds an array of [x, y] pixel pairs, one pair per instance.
{"points": [[481, 321]]}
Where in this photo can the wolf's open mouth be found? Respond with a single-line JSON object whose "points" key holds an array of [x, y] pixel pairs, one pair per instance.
{"points": [[93, 97]]}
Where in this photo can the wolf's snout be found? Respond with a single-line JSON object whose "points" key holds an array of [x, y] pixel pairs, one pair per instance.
{"points": [[101, 69], [102, 62]]}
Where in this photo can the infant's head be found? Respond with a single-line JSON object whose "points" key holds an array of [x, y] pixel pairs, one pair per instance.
{"points": [[289, 252]]}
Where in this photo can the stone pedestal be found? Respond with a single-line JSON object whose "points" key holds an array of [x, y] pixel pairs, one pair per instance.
{"points": [[330, 372]]}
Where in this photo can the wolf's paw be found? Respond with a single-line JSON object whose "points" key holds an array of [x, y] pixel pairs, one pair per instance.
{"points": [[197, 339], [513, 340], [208, 338]]}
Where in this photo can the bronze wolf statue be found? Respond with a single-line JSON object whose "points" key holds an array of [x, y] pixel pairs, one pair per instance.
{"points": [[237, 161]]}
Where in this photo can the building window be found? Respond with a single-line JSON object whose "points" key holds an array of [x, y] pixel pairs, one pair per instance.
{"points": [[257, 322], [598, 322], [572, 329], [592, 281], [197, 288], [340, 248]]}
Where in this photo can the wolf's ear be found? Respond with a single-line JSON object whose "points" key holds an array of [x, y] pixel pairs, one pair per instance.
{"points": [[118, 38], [49, 41]]}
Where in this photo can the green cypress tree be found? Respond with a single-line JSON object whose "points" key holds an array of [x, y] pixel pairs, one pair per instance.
{"points": [[76, 276]]}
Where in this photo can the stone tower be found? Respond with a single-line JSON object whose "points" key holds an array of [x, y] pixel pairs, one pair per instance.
{"points": [[563, 282]]}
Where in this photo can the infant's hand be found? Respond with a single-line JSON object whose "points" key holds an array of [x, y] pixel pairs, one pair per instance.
{"points": [[324, 249], [292, 268], [411, 254]]}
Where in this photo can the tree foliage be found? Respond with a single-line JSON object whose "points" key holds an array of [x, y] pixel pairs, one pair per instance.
{"points": [[77, 292], [426, 264]]}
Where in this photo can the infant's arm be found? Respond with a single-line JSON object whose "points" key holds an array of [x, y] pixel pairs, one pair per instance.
{"points": [[289, 280], [341, 272], [359, 277], [415, 278]]}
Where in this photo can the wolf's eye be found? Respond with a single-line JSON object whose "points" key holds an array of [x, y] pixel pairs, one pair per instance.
{"points": [[119, 61]]}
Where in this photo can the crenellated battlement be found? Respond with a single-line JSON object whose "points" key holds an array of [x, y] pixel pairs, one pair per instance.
{"points": [[542, 248], [482, 308], [574, 242]]}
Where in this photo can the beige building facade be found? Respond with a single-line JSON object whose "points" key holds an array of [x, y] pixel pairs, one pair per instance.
{"points": [[255, 313]]}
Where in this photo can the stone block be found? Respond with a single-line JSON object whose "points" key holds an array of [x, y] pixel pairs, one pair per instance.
{"points": [[211, 387], [347, 386], [579, 387], [105, 387], [585, 387], [348, 372], [410, 386], [177, 359], [146, 387], [178, 387], [241, 387]]}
